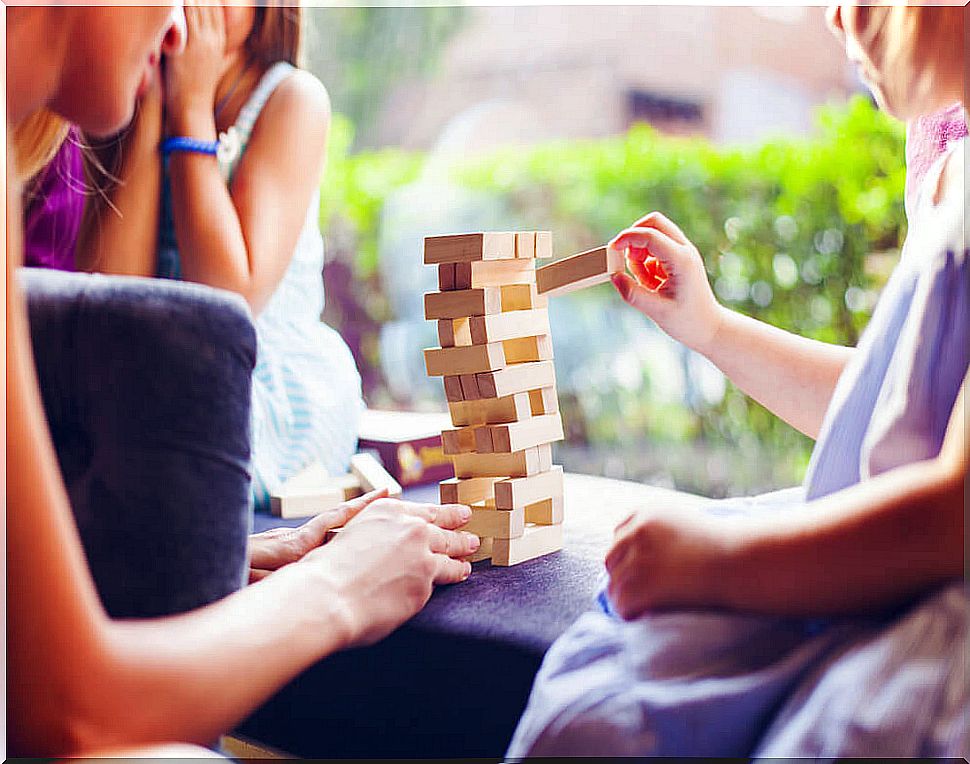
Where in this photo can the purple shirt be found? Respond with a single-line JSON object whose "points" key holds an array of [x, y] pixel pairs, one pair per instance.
{"points": [[53, 212]]}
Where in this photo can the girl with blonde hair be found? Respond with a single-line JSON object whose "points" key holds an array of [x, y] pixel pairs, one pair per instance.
{"points": [[830, 620]]}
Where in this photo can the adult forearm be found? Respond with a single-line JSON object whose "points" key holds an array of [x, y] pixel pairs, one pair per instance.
{"points": [[862, 549], [194, 676], [792, 376]]}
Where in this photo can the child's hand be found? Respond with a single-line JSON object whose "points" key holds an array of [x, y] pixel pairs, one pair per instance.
{"points": [[673, 289], [662, 559], [192, 77]]}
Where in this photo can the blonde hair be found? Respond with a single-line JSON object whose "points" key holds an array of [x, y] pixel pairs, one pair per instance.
{"points": [[916, 50], [36, 140]]}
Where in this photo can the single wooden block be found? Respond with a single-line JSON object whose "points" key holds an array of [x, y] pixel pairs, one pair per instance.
{"points": [[446, 277], [463, 302], [507, 326], [464, 360], [496, 523], [453, 391], [546, 512], [311, 492], [519, 464], [527, 349], [372, 476], [579, 271], [468, 491], [469, 387], [461, 327], [517, 436], [543, 401], [543, 245], [538, 540], [521, 492], [520, 297], [519, 378], [446, 333], [525, 244], [482, 553], [460, 441], [494, 273], [512, 408], [464, 247]]}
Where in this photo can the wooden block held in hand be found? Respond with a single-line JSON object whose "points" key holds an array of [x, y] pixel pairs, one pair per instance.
{"points": [[507, 326], [465, 247], [468, 491], [496, 523], [464, 360], [460, 441], [538, 540], [462, 303], [519, 464], [525, 244], [519, 378], [494, 273], [446, 277], [511, 408], [372, 476], [543, 245], [517, 436], [521, 297], [528, 349], [546, 512], [543, 401], [521, 492], [579, 271], [453, 391]]}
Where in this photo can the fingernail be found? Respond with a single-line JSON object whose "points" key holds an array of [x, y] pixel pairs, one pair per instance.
{"points": [[468, 571], [465, 512], [475, 540]]}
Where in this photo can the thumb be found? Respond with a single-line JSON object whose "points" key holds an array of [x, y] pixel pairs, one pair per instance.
{"points": [[635, 295]]}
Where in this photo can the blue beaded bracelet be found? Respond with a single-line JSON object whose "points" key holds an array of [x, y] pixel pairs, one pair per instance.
{"points": [[181, 143]]}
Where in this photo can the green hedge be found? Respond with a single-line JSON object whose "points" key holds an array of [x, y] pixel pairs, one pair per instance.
{"points": [[787, 227]]}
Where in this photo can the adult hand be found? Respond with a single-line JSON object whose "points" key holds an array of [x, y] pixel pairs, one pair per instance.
{"points": [[663, 558], [191, 78], [671, 285], [382, 566], [272, 549]]}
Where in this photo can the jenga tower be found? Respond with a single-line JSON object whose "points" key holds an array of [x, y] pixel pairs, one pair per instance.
{"points": [[496, 360]]}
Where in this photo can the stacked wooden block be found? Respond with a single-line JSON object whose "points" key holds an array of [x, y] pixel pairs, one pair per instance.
{"points": [[496, 361]]}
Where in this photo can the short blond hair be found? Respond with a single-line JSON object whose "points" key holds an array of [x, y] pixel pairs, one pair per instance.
{"points": [[36, 141]]}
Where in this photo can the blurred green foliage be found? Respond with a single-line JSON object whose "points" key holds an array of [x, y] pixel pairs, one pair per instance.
{"points": [[790, 229]]}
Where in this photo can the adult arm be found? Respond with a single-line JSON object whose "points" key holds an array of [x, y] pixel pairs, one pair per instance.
{"points": [[865, 548], [791, 376]]}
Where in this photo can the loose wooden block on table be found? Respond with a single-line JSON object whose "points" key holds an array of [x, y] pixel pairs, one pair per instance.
{"points": [[543, 401], [305, 500], [463, 302], [496, 523], [468, 491], [517, 436], [521, 492], [511, 408], [508, 326], [372, 476], [546, 512], [519, 464], [466, 247], [519, 378], [460, 441], [527, 349], [464, 360], [579, 271], [537, 540], [493, 273]]}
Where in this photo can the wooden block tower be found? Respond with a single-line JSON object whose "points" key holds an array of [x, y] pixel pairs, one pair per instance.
{"points": [[496, 361]]}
